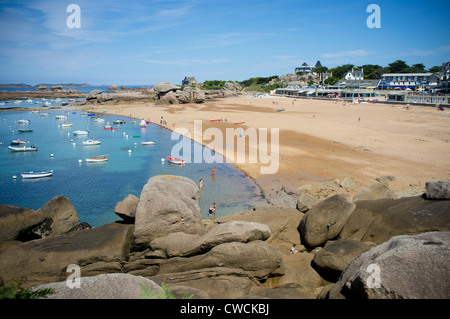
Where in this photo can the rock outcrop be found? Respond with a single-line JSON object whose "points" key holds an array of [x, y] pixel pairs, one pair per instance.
{"points": [[325, 220], [126, 209], [97, 250], [167, 204], [404, 267], [239, 255]]}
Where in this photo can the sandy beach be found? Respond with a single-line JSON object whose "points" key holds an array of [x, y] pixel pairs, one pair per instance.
{"points": [[321, 142]]}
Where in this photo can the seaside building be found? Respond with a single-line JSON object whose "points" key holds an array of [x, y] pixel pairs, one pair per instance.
{"points": [[408, 81], [305, 68], [354, 75], [189, 80], [355, 84], [445, 76]]}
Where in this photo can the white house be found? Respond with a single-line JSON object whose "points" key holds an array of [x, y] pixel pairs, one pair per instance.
{"points": [[354, 75]]}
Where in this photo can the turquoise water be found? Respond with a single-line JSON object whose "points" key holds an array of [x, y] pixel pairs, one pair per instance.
{"points": [[95, 188]]}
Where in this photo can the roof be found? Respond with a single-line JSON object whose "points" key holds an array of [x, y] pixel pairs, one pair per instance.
{"points": [[407, 74]]}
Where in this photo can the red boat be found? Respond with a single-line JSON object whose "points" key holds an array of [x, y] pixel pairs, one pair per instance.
{"points": [[175, 160]]}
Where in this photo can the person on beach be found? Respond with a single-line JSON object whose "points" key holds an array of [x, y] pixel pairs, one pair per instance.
{"points": [[210, 212], [200, 183], [293, 249]]}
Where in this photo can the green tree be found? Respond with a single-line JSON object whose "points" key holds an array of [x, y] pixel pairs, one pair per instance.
{"points": [[435, 69], [418, 68], [399, 66], [339, 71], [372, 71]]}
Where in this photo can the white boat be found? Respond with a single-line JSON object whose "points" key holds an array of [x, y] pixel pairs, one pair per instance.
{"points": [[23, 121], [46, 103], [91, 142], [29, 101], [66, 125], [23, 148], [97, 159], [61, 117], [175, 160], [149, 143], [17, 102], [119, 122], [45, 114], [37, 174], [98, 119], [80, 132], [19, 142]]}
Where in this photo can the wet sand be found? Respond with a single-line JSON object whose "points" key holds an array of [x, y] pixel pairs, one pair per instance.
{"points": [[321, 141]]}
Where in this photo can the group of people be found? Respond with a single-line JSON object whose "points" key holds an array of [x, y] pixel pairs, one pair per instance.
{"points": [[213, 207], [212, 210]]}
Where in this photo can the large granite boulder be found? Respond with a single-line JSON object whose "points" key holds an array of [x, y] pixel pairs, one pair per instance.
{"points": [[191, 96], [62, 215], [97, 250], [404, 267], [164, 87], [17, 222], [379, 220], [437, 190], [325, 220], [167, 204], [182, 245], [332, 260], [126, 209], [105, 286], [257, 259]]}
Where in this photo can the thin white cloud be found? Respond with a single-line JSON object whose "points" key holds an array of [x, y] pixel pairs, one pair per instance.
{"points": [[351, 54], [185, 62], [422, 53]]}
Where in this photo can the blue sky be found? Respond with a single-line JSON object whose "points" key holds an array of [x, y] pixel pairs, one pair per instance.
{"points": [[145, 42]]}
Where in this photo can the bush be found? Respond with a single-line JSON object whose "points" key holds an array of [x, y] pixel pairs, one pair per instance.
{"points": [[165, 293], [14, 291]]}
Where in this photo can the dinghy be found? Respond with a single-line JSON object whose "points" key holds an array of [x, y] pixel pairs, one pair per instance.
{"points": [[23, 148], [91, 142], [149, 143], [37, 174], [80, 132], [19, 142], [175, 160]]}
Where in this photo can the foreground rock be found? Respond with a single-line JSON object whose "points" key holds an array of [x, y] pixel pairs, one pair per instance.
{"points": [[17, 222], [96, 251], [437, 190], [409, 267], [325, 220], [167, 204], [62, 214], [106, 286], [183, 245], [126, 209], [379, 220]]}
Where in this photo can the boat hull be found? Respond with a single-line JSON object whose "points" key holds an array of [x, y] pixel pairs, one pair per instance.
{"points": [[175, 160], [27, 175], [22, 149]]}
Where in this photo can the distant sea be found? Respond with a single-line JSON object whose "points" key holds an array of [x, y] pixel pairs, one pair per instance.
{"points": [[95, 189], [52, 102]]}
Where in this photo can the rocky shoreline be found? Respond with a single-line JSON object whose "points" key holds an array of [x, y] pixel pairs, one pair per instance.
{"points": [[162, 239]]}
